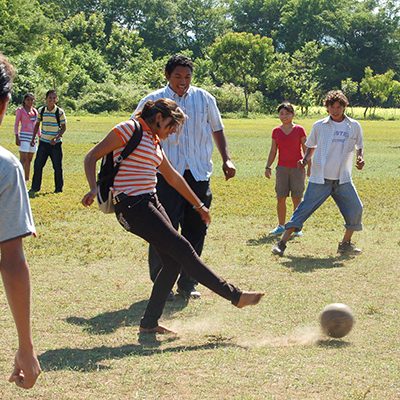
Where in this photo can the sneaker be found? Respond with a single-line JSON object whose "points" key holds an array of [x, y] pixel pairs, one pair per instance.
{"points": [[278, 230], [279, 249], [189, 294], [298, 234], [348, 248]]}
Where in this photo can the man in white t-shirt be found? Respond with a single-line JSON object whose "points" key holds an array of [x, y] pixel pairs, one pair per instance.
{"points": [[190, 153], [332, 143]]}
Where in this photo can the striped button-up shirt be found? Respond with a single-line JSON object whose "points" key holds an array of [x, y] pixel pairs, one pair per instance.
{"points": [[192, 147], [321, 137]]}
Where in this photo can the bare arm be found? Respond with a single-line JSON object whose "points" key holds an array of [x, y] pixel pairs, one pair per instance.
{"points": [[304, 147], [307, 157], [179, 184], [15, 275], [16, 126], [228, 167], [271, 158], [360, 159], [35, 131], [63, 128], [111, 142]]}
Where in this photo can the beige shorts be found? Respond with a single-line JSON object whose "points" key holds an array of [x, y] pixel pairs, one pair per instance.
{"points": [[290, 181]]}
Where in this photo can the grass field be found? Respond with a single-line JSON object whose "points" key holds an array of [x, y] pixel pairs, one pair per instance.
{"points": [[91, 285]]}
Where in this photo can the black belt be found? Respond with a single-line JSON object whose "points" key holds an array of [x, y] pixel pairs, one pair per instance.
{"points": [[119, 198]]}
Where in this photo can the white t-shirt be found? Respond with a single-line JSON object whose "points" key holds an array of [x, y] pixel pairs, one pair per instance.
{"points": [[15, 211], [341, 134]]}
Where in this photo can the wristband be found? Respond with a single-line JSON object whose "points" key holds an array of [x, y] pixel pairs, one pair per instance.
{"points": [[201, 205]]}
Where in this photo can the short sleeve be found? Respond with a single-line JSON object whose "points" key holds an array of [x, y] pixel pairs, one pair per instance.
{"points": [[124, 130], [214, 116], [312, 138]]}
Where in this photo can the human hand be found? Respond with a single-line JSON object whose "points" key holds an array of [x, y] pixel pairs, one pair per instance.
{"points": [[360, 162], [301, 163], [268, 173], [17, 141], [53, 141], [33, 142], [229, 169], [205, 215], [88, 198], [26, 369]]}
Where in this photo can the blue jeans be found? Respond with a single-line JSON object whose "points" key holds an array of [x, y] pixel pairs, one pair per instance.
{"points": [[344, 195]]}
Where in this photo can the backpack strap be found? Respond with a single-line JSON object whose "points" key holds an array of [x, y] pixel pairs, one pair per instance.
{"points": [[58, 116], [133, 142], [42, 112]]}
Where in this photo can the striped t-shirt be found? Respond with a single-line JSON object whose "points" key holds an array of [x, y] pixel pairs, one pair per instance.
{"points": [[50, 126], [137, 173]]}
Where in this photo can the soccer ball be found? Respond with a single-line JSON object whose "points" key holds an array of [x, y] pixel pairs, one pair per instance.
{"points": [[336, 320]]}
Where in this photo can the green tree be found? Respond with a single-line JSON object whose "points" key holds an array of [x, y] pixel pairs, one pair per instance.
{"points": [[349, 88], [258, 17], [303, 77], [22, 25], [201, 22], [243, 59], [376, 88]]}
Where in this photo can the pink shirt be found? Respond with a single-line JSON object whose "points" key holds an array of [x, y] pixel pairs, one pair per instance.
{"points": [[27, 121]]}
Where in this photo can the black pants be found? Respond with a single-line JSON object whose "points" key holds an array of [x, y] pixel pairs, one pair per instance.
{"points": [[145, 217], [45, 151], [181, 214]]}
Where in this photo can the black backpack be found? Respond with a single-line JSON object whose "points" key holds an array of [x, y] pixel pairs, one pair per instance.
{"points": [[108, 171], [57, 115]]}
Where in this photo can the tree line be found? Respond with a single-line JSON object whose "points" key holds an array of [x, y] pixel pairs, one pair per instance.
{"points": [[104, 55]]}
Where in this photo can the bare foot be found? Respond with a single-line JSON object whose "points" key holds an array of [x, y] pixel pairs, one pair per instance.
{"points": [[249, 299], [158, 329]]}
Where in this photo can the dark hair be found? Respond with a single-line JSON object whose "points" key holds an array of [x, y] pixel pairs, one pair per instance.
{"points": [[6, 77], [49, 92], [26, 95], [286, 106], [336, 95], [167, 108], [178, 60]]}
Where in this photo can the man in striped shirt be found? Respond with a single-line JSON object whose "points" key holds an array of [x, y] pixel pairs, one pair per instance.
{"points": [[190, 154], [53, 122]]}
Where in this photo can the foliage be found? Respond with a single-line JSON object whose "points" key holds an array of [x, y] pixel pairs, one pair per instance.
{"points": [[243, 59], [314, 45], [376, 88]]}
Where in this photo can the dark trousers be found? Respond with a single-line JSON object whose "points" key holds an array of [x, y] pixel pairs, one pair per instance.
{"points": [[145, 217], [181, 214], [46, 150]]}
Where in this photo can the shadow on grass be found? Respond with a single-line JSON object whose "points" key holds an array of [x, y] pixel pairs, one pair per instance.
{"points": [[266, 239], [309, 264], [333, 343], [88, 360], [110, 321]]}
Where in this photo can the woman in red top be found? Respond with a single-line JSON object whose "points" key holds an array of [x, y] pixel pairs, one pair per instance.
{"points": [[138, 210], [288, 140]]}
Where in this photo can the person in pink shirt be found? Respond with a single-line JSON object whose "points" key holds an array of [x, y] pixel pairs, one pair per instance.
{"points": [[25, 120], [288, 140]]}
